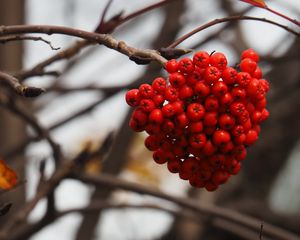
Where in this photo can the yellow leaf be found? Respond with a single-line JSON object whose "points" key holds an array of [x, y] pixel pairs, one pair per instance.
{"points": [[257, 3], [8, 177]]}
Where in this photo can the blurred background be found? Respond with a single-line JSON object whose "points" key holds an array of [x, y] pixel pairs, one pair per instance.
{"points": [[268, 185]]}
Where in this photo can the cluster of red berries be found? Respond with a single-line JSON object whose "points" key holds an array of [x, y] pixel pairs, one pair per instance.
{"points": [[203, 118]]}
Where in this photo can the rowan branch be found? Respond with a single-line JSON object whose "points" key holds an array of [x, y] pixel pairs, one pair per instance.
{"points": [[105, 180], [33, 122], [103, 27], [4, 40], [229, 19], [22, 90], [49, 186]]}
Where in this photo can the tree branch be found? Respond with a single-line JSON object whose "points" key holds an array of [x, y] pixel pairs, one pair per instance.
{"points": [[229, 19], [104, 180], [20, 89], [4, 40]]}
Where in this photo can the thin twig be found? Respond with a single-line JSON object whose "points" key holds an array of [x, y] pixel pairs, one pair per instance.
{"points": [[4, 40], [20, 89], [33, 122], [283, 16], [48, 187], [261, 231], [228, 19], [108, 92], [75, 48], [104, 39]]}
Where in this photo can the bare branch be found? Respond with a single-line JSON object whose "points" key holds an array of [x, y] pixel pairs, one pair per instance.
{"points": [[208, 210], [33, 122], [229, 19], [20, 89], [4, 40]]}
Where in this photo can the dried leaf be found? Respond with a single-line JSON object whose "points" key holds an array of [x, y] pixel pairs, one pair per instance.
{"points": [[8, 177], [257, 3]]}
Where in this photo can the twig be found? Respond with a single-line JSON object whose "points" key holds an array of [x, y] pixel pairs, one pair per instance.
{"points": [[108, 92], [33, 122], [228, 19], [20, 89], [48, 187], [104, 39], [104, 180], [261, 231], [283, 16], [4, 40], [106, 27]]}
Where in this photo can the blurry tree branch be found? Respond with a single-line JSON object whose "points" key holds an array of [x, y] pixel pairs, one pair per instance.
{"points": [[20, 89], [4, 40], [105, 26]]}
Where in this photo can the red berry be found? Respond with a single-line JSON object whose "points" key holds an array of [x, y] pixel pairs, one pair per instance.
{"points": [[202, 89], [238, 94], [178, 107], [152, 128], [171, 66], [211, 75], [211, 104], [229, 75], [176, 79], [257, 73], [168, 126], [237, 108], [251, 137], [133, 97], [250, 53], [185, 65], [156, 116], [146, 91], [220, 177], [151, 142], [265, 84], [248, 65], [174, 165], [195, 127], [182, 120], [209, 149], [211, 187], [216, 161], [185, 92], [218, 60], [201, 59], [159, 156], [168, 110], [147, 105], [219, 89], [226, 99], [243, 79], [140, 116], [171, 94], [195, 111], [264, 114], [189, 166], [210, 119], [221, 137], [226, 121], [159, 85], [197, 140], [158, 99]]}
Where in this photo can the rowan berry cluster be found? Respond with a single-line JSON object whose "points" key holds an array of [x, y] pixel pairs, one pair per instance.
{"points": [[201, 121]]}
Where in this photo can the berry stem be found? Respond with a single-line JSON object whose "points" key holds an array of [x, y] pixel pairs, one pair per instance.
{"points": [[283, 16], [228, 19]]}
